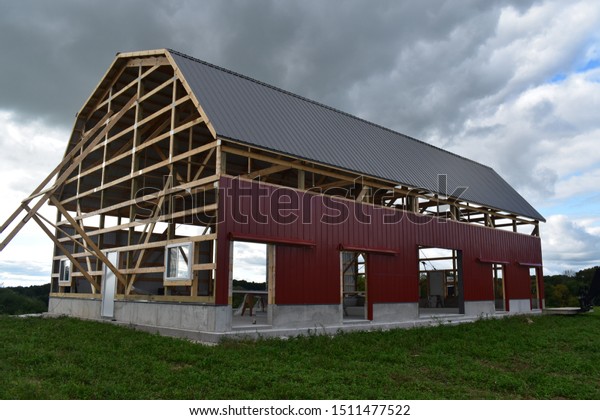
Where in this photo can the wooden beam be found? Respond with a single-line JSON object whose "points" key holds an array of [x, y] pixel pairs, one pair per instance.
{"points": [[118, 155], [148, 234], [204, 163], [151, 168], [301, 179], [194, 186], [330, 185], [204, 266], [67, 235], [159, 244], [144, 270], [267, 171], [64, 250], [183, 213], [147, 143], [149, 61], [126, 87], [363, 193], [88, 241]]}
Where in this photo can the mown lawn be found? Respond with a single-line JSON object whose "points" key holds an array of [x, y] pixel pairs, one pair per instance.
{"points": [[518, 357]]}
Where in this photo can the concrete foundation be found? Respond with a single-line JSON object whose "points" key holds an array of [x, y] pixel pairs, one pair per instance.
{"points": [[479, 308], [186, 316], [196, 317], [79, 308], [304, 316], [209, 323], [519, 305], [395, 312]]}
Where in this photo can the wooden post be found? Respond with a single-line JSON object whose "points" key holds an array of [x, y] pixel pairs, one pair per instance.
{"points": [[301, 179], [271, 273]]}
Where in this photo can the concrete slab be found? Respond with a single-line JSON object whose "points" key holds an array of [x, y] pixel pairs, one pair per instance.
{"points": [[390, 312], [305, 316], [519, 305], [480, 308], [562, 311]]}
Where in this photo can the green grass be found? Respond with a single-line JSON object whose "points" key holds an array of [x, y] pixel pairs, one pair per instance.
{"points": [[517, 357]]}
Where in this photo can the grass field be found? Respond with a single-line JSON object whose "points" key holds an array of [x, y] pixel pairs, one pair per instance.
{"points": [[518, 357]]}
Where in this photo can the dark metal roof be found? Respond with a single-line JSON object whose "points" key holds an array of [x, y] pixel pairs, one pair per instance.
{"points": [[252, 112]]}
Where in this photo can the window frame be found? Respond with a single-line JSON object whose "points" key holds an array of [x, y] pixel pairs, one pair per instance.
{"points": [[179, 281], [65, 262]]}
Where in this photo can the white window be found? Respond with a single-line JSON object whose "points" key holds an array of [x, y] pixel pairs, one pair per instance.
{"points": [[64, 272], [178, 262]]}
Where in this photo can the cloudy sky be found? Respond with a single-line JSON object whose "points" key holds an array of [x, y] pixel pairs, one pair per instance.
{"points": [[512, 84]]}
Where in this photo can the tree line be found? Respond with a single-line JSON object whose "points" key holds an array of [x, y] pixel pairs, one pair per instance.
{"points": [[565, 289], [24, 300]]}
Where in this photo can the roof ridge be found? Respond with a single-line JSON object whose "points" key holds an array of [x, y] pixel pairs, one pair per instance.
{"points": [[287, 92]]}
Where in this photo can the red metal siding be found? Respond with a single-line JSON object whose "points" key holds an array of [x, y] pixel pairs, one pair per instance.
{"points": [[311, 275]]}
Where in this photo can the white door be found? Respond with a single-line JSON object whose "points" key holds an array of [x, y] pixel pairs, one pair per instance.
{"points": [[109, 286]]}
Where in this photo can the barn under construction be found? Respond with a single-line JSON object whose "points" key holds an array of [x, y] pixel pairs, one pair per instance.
{"points": [[173, 161]]}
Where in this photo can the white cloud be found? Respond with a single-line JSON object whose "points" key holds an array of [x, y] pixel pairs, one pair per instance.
{"points": [[33, 150], [582, 184], [569, 245], [541, 138], [250, 262]]}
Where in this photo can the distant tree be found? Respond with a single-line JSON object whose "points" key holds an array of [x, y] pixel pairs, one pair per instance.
{"points": [[24, 299], [13, 303], [565, 289], [248, 285], [245, 285]]}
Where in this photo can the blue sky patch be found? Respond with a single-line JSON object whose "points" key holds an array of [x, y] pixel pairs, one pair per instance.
{"points": [[591, 64], [557, 78]]}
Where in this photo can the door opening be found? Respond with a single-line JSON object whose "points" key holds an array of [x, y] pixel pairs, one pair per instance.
{"points": [[109, 286], [535, 296], [499, 287], [440, 281], [253, 283], [354, 285]]}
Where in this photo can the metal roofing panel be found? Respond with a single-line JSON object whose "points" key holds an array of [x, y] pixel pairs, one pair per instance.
{"points": [[252, 112]]}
